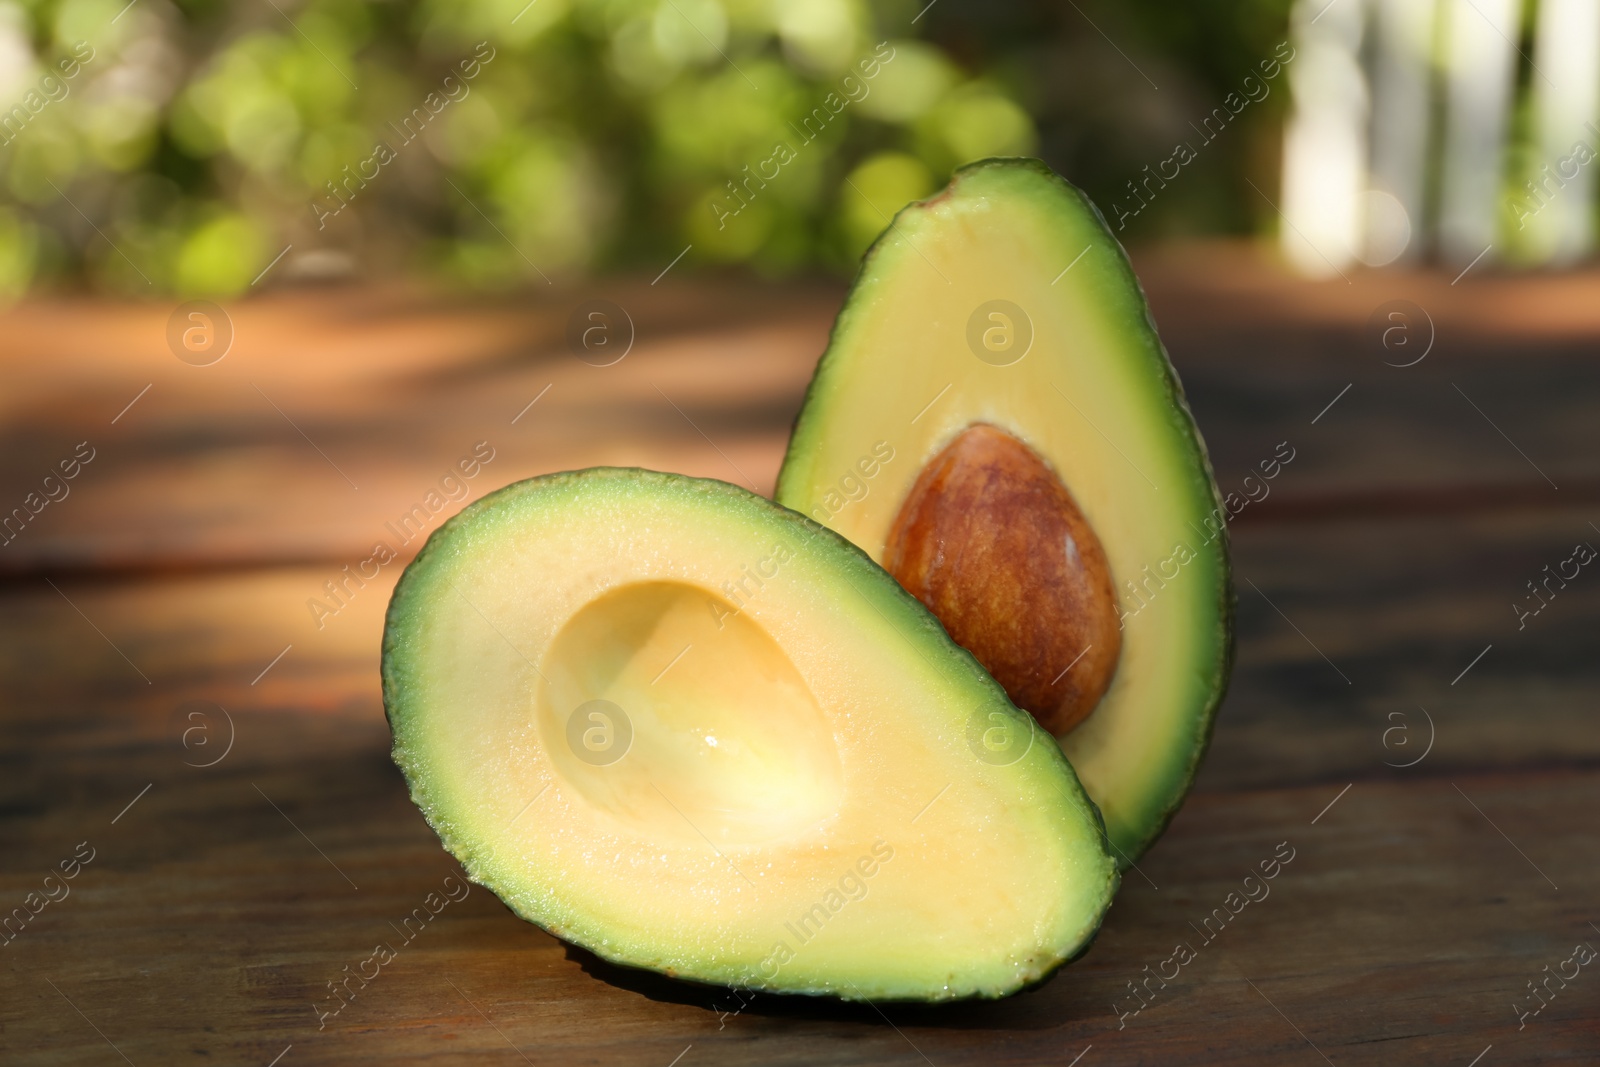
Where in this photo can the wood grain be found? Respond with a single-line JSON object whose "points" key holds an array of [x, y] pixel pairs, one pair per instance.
{"points": [[1384, 561]]}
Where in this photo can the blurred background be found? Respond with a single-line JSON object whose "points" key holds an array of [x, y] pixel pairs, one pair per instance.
{"points": [[159, 147], [270, 271]]}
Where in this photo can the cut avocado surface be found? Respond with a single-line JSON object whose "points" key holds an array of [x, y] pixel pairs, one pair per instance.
{"points": [[690, 730], [995, 339]]}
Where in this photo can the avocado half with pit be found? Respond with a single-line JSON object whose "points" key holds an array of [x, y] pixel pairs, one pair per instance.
{"points": [[690, 730], [996, 422]]}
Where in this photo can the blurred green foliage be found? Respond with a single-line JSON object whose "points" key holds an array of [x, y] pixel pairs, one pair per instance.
{"points": [[500, 141], [494, 139], [1113, 87]]}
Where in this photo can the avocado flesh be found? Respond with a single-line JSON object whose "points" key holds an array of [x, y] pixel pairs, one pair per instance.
{"points": [[1093, 394], [810, 801]]}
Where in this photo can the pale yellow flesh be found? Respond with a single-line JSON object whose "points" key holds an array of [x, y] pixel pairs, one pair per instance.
{"points": [[901, 377], [779, 754]]}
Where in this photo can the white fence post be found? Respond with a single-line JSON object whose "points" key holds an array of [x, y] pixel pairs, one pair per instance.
{"points": [[1324, 145], [1554, 212], [1396, 204], [1480, 60]]}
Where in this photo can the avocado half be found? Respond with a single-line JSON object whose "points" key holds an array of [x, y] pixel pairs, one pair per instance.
{"points": [[1005, 304], [690, 730]]}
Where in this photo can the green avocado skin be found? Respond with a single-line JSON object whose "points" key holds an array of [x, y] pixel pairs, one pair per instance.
{"points": [[428, 577], [810, 430]]}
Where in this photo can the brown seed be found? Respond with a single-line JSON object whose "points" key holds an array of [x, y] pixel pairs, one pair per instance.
{"points": [[993, 543]]}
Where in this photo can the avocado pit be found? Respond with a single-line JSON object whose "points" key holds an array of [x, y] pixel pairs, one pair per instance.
{"points": [[992, 542]]}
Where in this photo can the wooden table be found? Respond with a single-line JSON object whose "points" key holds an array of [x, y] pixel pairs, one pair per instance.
{"points": [[171, 702]]}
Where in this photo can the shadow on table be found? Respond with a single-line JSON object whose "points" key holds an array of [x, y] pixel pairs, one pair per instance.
{"points": [[1028, 1010]]}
